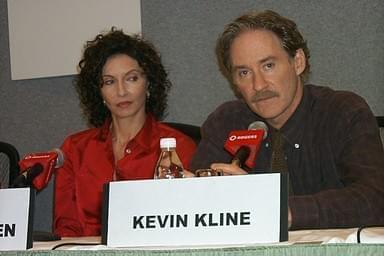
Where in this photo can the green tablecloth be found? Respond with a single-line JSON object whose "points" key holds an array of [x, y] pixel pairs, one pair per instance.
{"points": [[278, 250]]}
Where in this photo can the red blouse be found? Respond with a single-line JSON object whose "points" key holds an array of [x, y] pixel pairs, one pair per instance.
{"points": [[89, 164]]}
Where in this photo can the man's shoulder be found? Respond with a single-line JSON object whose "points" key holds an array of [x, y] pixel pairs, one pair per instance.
{"points": [[327, 93], [336, 99], [232, 109], [338, 109]]}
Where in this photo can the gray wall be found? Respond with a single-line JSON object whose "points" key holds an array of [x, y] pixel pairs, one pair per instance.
{"points": [[346, 39]]}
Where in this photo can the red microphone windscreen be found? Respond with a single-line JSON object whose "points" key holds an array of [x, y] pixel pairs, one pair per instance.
{"points": [[249, 138]]}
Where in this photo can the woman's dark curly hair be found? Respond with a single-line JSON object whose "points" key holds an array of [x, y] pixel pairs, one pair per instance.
{"points": [[285, 29], [89, 79]]}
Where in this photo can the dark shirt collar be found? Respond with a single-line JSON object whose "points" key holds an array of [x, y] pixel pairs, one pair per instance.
{"points": [[293, 128]]}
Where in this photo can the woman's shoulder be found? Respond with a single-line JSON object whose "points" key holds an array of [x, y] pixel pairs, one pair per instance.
{"points": [[89, 132], [83, 136]]}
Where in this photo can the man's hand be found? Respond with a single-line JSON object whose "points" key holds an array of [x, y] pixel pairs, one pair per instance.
{"points": [[228, 169], [188, 174]]}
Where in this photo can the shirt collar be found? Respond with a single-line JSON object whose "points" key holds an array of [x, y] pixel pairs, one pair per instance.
{"points": [[293, 128], [143, 137], [105, 130]]}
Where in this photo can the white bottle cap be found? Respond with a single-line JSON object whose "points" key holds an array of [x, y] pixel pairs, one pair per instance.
{"points": [[167, 143]]}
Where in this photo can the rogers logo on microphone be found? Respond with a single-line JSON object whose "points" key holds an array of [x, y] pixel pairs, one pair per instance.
{"points": [[243, 137]]}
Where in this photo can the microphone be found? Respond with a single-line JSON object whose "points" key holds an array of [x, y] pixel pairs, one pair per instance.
{"points": [[60, 157], [48, 160], [25, 179], [241, 156], [259, 125], [245, 144]]}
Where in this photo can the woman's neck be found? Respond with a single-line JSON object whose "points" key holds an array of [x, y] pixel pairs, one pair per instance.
{"points": [[124, 130]]}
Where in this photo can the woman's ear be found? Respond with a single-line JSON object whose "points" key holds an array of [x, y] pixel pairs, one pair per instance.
{"points": [[300, 62]]}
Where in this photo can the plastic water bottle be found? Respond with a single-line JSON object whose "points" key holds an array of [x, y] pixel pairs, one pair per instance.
{"points": [[169, 165]]}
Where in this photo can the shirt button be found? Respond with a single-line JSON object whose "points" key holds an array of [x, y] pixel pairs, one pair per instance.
{"points": [[128, 151], [297, 145], [266, 144]]}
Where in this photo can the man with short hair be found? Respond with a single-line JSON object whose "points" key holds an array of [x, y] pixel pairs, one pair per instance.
{"points": [[330, 139]]}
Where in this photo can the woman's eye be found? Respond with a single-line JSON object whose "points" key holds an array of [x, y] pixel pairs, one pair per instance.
{"points": [[133, 78], [108, 82]]}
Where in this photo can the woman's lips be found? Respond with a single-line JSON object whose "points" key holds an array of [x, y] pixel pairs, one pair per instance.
{"points": [[124, 104]]}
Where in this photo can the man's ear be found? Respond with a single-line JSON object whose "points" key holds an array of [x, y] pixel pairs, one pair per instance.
{"points": [[300, 62]]}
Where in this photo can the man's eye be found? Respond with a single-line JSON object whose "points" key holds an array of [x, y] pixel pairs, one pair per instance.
{"points": [[269, 66], [243, 73]]}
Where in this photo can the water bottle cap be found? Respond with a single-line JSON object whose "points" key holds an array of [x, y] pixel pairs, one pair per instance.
{"points": [[167, 143]]}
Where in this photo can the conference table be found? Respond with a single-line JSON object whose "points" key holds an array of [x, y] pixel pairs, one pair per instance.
{"points": [[303, 242]]}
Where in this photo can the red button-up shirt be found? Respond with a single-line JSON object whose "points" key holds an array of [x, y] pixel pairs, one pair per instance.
{"points": [[89, 164]]}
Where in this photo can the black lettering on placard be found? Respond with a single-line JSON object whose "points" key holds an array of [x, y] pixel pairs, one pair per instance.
{"points": [[160, 221], [231, 218], [245, 218], [7, 230], [150, 221], [211, 222], [182, 220], [222, 219], [199, 218], [137, 220]]}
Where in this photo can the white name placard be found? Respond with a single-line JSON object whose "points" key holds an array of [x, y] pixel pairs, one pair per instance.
{"points": [[202, 211], [16, 217]]}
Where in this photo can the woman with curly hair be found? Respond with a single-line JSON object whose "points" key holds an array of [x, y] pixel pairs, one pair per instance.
{"points": [[123, 88]]}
